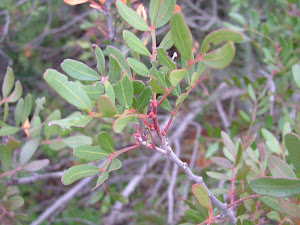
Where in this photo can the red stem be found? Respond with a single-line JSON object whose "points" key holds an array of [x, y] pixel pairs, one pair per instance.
{"points": [[146, 122], [169, 123], [137, 130], [11, 171], [152, 140], [210, 218], [243, 199], [119, 152], [165, 95]]}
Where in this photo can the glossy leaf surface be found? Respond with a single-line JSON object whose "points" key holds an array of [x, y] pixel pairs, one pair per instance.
{"points": [[77, 172], [131, 17], [219, 58], [135, 44], [90, 153], [70, 91], [181, 36], [79, 70]]}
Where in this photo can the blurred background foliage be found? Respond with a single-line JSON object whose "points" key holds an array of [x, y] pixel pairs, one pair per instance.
{"points": [[40, 34]]}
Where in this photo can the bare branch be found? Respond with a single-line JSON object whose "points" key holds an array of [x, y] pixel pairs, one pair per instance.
{"points": [[223, 116], [172, 185], [36, 177], [64, 199], [7, 22]]}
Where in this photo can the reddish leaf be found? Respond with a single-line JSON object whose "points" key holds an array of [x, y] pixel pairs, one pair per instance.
{"points": [[75, 2]]}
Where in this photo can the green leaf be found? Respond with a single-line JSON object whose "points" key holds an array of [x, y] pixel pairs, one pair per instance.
{"points": [[219, 58], [106, 107], [16, 94], [248, 222], [8, 130], [201, 194], [78, 140], [115, 165], [72, 121], [177, 90], [121, 123], [138, 86], [153, 10], [193, 215], [90, 153], [271, 142], [277, 187], [296, 74], [109, 91], [164, 59], [101, 179], [115, 70], [100, 59], [165, 104], [251, 92], [195, 77], [2, 189], [119, 197], [292, 143], [218, 36], [138, 67], [124, 91], [158, 75], [27, 107], [15, 202], [222, 162], [181, 36], [93, 91], [106, 141], [77, 172], [228, 142], [19, 111], [212, 149], [56, 145], [244, 116], [135, 44], [132, 17], [218, 176], [164, 13], [176, 76], [79, 70], [271, 202], [157, 88], [167, 41], [238, 155], [28, 149], [290, 208], [5, 157], [119, 56], [238, 17], [180, 99], [36, 165], [70, 91], [243, 172], [273, 215], [280, 168], [8, 82], [144, 98]]}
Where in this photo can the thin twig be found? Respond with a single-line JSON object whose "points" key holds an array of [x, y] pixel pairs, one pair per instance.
{"points": [[172, 185], [64, 199], [159, 182], [37, 177], [111, 29], [223, 116], [6, 25], [193, 158]]}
